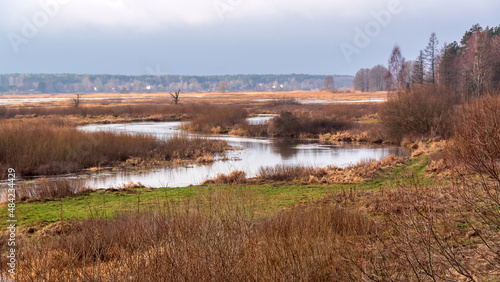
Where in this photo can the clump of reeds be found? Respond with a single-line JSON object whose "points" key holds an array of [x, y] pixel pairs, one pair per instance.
{"points": [[159, 110], [47, 189], [235, 177], [216, 119], [361, 172], [284, 172], [45, 147]]}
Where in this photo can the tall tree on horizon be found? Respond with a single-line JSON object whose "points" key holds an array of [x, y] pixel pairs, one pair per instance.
{"points": [[329, 83], [222, 87], [361, 81], [394, 77], [430, 56], [478, 63], [419, 69], [376, 78], [406, 74], [449, 65]]}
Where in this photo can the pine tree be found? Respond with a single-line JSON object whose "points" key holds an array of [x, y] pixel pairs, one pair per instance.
{"points": [[418, 69], [430, 57]]}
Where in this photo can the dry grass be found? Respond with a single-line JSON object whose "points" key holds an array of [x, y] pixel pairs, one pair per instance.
{"points": [[359, 173], [216, 119], [360, 132], [216, 237], [233, 178], [285, 173], [44, 147], [415, 232], [144, 110], [44, 189]]}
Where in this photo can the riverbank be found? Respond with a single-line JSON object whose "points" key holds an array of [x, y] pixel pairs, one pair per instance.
{"points": [[272, 192], [330, 228], [404, 214]]}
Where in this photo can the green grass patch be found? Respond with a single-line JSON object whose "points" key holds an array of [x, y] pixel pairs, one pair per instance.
{"points": [[265, 198]]}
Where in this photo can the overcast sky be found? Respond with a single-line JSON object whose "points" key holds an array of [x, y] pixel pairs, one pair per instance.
{"points": [[213, 37]]}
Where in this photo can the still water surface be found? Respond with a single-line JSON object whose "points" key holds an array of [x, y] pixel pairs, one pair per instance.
{"points": [[249, 156]]}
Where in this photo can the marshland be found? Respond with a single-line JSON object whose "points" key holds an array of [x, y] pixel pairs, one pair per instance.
{"points": [[396, 184]]}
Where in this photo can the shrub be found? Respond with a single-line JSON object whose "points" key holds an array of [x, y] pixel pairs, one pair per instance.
{"points": [[285, 125], [423, 110], [475, 144], [288, 124], [217, 118], [321, 124]]}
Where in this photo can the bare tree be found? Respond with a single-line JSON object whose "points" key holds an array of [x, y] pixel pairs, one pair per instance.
{"points": [[222, 87], [376, 78], [361, 81], [406, 74], [394, 75], [77, 100], [430, 57], [329, 84], [477, 64], [175, 96]]}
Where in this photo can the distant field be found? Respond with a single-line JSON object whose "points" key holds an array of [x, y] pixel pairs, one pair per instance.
{"points": [[220, 97]]}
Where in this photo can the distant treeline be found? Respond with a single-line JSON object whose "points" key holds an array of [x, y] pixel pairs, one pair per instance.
{"points": [[71, 83], [470, 67]]}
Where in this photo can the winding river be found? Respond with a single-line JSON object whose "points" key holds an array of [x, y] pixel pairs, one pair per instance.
{"points": [[249, 156]]}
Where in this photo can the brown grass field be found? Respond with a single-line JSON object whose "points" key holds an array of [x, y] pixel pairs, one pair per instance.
{"points": [[223, 97]]}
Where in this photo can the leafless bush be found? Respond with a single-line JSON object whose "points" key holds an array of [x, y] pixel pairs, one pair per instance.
{"points": [[475, 149], [422, 110], [475, 144], [288, 124], [219, 118]]}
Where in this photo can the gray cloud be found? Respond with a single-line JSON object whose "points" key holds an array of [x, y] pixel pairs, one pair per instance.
{"points": [[191, 37]]}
